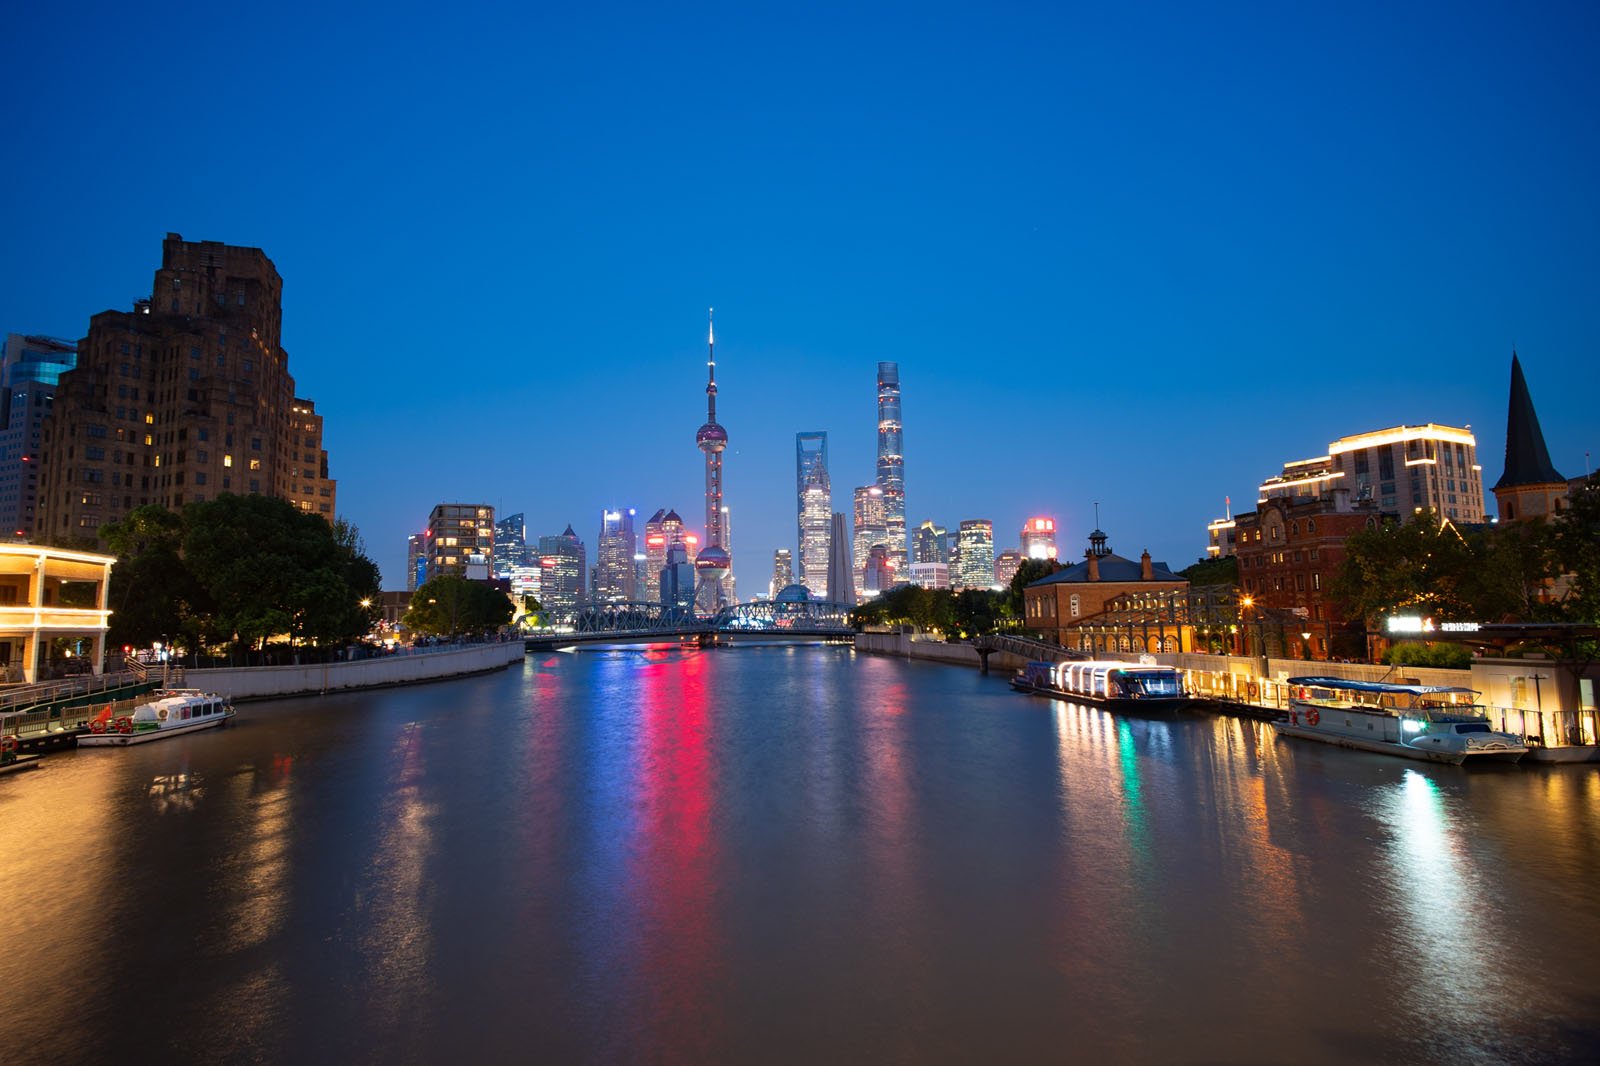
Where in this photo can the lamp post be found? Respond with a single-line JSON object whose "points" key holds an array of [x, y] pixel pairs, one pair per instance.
{"points": [[1305, 643]]}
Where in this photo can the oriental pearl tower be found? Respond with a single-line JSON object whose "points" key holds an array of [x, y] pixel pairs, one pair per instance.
{"points": [[713, 563]]}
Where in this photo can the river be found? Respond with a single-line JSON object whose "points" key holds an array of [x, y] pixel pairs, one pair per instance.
{"points": [[786, 854]]}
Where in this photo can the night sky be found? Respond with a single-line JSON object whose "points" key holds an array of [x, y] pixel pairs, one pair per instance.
{"points": [[1139, 255]]}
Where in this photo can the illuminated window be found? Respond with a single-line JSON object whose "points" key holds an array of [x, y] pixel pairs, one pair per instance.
{"points": [[255, 464], [149, 419], [227, 460]]}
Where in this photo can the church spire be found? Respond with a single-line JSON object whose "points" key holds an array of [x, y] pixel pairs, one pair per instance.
{"points": [[1527, 458]]}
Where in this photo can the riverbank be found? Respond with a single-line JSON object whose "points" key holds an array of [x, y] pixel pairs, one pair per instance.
{"points": [[410, 668]]}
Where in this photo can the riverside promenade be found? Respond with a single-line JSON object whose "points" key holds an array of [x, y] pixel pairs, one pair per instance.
{"points": [[410, 666]]}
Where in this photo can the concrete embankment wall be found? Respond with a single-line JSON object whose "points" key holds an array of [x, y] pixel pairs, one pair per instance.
{"points": [[273, 682], [907, 646]]}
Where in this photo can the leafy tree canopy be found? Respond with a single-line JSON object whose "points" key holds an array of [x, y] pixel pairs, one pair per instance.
{"points": [[448, 605]]}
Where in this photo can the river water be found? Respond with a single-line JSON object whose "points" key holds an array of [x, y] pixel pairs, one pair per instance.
{"points": [[786, 855]]}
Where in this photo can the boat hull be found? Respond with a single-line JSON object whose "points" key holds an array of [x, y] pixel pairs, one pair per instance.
{"points": [[1382, 747], [1157, 706], [144, 736], [21, 763]]}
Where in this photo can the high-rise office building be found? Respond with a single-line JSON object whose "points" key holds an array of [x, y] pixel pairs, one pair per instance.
{"points": [[931, 544], [562, 561], [930, 575], [459, 540], [30, 370], [715, 561], [891, 461], [810, 452], [976, 567], [510, 542], [613, 568], [677, 581], [841, 582], [1039, 538], [815, 524], [655, 553], [183, 398], [1006, 565], [782, 572], [870, 529]]}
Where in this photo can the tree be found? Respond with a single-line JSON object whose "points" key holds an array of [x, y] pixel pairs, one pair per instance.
{"points": [[1575, 547], [448, 605], [1030, 571], [1416, 568], [1224, 571], [152, 595]]}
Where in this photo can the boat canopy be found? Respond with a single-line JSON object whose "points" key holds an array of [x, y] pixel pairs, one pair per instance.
{"points": [[1380, 686]]}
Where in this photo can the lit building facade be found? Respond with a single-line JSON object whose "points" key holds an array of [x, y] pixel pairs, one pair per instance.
{"points": [[931, 544], [811, 544], [871, 528], [50, 597], [782, 572], [1059, 607], [562, 562], [975, 568], [934, 575], [183, 398], [1006, 565], [891, 461], [1403, 469], [1039, 538], [1219, 534], [459, 540], [416, 560], [30, 370], [613, 569], [815, 524]]}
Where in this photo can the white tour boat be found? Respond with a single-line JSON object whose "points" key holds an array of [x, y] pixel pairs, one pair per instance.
{"points": [[1431, 722], [1144, 687], [171, 713]]}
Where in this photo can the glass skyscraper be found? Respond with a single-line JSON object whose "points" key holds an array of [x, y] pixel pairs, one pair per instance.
{"points": [[891, 462], [975, 539]]}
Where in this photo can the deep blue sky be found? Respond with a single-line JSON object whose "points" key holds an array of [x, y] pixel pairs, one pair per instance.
{"points": [[1141, 256]]}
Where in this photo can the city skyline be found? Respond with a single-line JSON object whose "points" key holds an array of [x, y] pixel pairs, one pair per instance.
{"points": [[1336, 226]]}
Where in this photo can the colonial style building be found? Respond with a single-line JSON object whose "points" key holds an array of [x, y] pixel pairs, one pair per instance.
{"points": [[183, 398], [1289, 550], [1059, 606]]}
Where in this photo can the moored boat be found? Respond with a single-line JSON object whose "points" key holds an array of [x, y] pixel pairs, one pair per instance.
{"points": [[1144, 687], [173, 713], [1429, 722]]}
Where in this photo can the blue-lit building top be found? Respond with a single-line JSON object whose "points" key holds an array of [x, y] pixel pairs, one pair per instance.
{"points": [[31, 368]]}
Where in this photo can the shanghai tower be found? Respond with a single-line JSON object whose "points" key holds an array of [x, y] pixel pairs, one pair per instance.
{"points": [[713, 562], [891, 465]]}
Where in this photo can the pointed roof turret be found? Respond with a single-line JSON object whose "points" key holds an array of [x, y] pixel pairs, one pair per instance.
{"points": [[1527, 458]]}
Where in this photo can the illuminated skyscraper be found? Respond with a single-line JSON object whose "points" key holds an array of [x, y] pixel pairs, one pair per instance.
{"points": [[931, 544], [891, 462], [1039, 538], [416, 560], [613, 568], [817, 504], [31, 368], [714, 561], [730, 592], [870, 527], [976, 566], [562, 561], [1006, 566], [810, 452], [782, 572], [459, 539]]}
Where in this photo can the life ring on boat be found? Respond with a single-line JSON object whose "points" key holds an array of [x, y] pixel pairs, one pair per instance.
{"points": [[124, 725], [97, 726], [161, 713], [8, 743], [1313, 716]]}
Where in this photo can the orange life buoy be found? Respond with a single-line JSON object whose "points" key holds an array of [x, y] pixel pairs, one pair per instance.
{"points": [[124, 725], [97, 726], [1313, 716], [8, 743]]}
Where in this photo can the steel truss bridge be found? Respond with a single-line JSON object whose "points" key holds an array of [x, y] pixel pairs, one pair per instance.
{"points": [[617, 623]]}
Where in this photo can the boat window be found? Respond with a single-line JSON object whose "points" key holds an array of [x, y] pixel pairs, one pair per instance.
{"points": [[1472, 727]]}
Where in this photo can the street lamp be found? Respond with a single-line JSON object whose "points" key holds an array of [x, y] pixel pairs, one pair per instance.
{"points": [[1305, 640]]}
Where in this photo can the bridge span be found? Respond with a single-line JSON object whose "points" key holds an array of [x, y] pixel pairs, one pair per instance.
{"points": [[638, 623]]}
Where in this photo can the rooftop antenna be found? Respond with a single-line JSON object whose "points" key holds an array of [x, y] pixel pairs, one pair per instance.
{"points": [[1227, 508], [1097, 514]]}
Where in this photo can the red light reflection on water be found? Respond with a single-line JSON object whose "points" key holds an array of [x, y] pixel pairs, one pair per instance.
{"points": [[673, 875]]}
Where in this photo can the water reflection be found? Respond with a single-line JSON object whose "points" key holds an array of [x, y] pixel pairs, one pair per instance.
{"points": [[172, 793]]}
